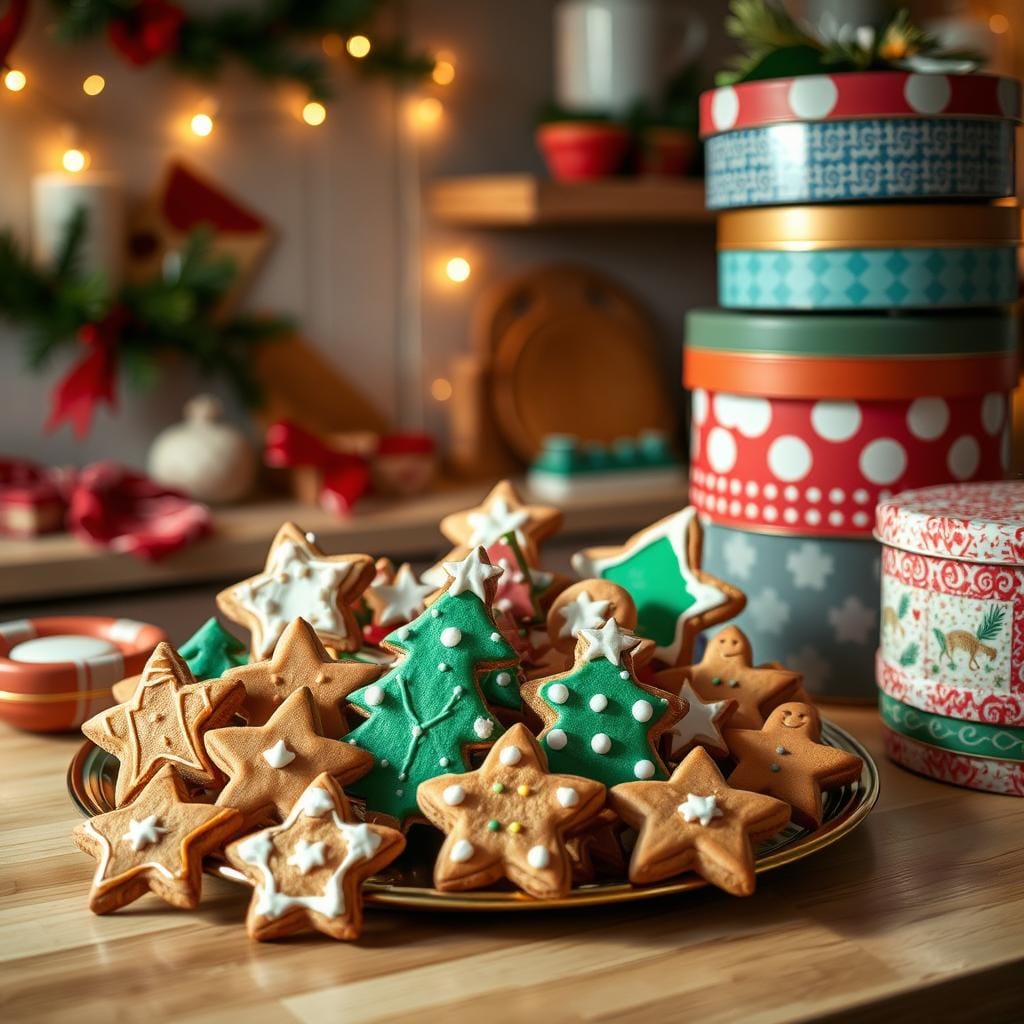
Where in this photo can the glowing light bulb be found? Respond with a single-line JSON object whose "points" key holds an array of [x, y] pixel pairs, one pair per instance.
{"points": [[75, 160], [444, 72], [201, 125], [333, 44], [314, 113], [15, 80], [458, 269], [441, 389], [427, 112], [94, 85], [999, 23], [358, 46]]}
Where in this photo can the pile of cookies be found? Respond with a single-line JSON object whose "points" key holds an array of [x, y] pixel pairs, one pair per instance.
{"points": [[553, 733]]}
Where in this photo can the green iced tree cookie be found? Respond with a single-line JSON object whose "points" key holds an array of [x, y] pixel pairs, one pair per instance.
{"points": [[599, 721], [423, 714], [211, 650]]}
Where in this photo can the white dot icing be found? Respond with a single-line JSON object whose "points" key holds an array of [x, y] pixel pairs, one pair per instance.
{"points": [[643, 769], [538, 857], [374, 695], [503, 678], [462, 850], [443, 666], [598, 702], [510, 756], [451, 637], [642, 710], [601, 743], [279, 756], [556, 739], [558, 693], [454, 795], [483, 727], [567, 796]]}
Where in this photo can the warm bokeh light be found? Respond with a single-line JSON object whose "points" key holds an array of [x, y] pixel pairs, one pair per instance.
{"points": [[201, 125], [75, 160], [358, 46], [444, 72], [441, 389], [333, 44], [426, 113], [458, 269], [94, 85], [15, 80], [314, 113], [999, 23]]}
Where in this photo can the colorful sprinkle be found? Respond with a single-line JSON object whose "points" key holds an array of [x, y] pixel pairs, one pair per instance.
{"points": [[523, 790], [498, 787], [494, 825], [515, 827]]}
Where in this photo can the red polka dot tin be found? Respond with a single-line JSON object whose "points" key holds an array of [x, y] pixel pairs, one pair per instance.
{"points": [[57, 672]]}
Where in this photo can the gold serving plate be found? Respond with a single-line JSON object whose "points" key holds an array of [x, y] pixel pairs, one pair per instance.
{"points": [[92, 773]]}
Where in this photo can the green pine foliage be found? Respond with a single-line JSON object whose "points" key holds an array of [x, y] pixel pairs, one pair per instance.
{"points": [[904, 606], [991, 623], [909, 655]]}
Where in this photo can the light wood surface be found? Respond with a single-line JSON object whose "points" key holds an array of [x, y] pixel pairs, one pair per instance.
{"points": [[59, 565], [525, 200], [917, 916]]}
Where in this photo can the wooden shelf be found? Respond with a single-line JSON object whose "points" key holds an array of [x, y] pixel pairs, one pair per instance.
{"points": [[59, 565], [524, 200]]}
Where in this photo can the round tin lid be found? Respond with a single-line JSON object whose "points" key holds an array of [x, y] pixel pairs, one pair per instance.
{"points": [[981, 522], [858, 94], [870, 226]]}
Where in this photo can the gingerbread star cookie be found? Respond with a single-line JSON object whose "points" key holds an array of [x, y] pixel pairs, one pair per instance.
{"points": [[696, 822], [299, 659], [154, 844], [509, 819], [394, 598], [726, 672], [787, 760], [268, 766], [701, 726], [308, 871], [163, 722], [660, 567], [588, 604], [299, 580], [599, 721]]}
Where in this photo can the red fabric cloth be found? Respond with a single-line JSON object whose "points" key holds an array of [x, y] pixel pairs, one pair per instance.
{"points": [[147, 31]]}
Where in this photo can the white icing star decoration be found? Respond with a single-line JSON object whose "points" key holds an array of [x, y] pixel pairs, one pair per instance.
{"points": [[699, 808], [143, 833], [402, 598], [582, 612], [496, 520], [698, 725], [279, 756], [607, 642], [308, 855], [472, 574]]}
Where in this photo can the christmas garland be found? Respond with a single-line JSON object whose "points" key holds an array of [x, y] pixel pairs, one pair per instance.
{"points": [[777, 45], [270, 40], [132, 328]]}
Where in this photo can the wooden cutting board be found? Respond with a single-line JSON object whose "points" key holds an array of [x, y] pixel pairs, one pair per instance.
{"points": [[573, 353]]}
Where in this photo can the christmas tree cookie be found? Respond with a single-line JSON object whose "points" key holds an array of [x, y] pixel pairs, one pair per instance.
{"points": [[211, 651], [598, 720], [660, 568], [427, 712]]}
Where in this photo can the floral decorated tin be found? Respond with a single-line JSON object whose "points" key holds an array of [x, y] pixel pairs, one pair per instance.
{"points": [[952, 627], [859, 136]]}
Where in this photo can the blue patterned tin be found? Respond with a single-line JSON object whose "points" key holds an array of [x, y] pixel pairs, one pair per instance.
{"points": [[864, 160], [812, 604]]}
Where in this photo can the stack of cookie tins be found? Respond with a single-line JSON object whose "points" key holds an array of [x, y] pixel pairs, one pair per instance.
{"points": [[865, 345]]}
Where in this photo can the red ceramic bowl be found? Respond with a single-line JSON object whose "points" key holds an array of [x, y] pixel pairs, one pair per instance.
{"points": [[582, 150]]}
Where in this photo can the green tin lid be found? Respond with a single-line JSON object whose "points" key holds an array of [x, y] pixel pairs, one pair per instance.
{"points": [[852, 335]]}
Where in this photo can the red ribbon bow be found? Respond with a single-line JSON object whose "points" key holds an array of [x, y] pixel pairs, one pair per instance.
{"points": [[346, 476]]}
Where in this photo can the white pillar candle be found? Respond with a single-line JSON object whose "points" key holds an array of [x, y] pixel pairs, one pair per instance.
{"points": [[55, 198]]}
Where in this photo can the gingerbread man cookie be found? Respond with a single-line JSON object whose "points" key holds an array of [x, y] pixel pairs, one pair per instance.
{"points": [[787, 760], [509, 819], [268, 766], [299, 580], [299, 659], [660, 567], [696, 822], [727, 672], [163, 722], [308, 871], [154, 844]]}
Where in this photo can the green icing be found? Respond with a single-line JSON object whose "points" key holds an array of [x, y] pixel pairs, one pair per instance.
{"points": [[630, 738], [427, 716], [211, 650], [651, 575], [499, 696]]}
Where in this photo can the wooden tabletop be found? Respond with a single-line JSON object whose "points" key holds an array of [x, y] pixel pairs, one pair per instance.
{"points": [[918, 915]]}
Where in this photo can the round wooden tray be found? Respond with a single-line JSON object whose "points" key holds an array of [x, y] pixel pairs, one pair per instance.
{"points": [[92, 772]]}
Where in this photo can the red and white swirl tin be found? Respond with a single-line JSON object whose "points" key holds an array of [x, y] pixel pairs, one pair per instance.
{"points": [[819, 467], [952, 624], [57, 672]]}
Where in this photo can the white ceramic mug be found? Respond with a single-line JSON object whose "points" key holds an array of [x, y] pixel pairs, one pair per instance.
{"points": [[613, 54]]}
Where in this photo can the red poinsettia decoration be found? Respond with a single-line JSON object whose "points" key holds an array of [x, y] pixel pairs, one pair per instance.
{"points": [[148, 31]]}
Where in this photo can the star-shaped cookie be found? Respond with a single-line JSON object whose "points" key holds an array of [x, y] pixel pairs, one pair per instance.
{"points": [[588, 604], [268, 766], [701, 726], [696, 822], [660, 568], [155, 844], [163, 722], [786, 760], [508, 819], [727, 672], [299, 659], [308, 871], [299, 580], [396, 598]]}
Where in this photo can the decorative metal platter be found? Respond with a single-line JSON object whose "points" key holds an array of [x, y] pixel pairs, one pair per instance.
{"points": [[92, 773]]}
